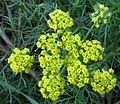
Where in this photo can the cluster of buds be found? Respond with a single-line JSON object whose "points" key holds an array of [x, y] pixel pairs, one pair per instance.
{"points": [[100, 15]]}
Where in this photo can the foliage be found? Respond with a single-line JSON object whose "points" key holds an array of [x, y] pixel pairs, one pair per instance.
{"points": [[23, 20]]}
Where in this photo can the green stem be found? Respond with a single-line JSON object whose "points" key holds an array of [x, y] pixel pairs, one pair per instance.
{"points": [[105, 37], [88, 33], [60, 3], [33, 74]]}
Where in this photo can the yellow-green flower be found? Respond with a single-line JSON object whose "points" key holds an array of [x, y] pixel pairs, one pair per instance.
{"points": [[78, 75], [64, 50], [67, 50], [52, 86], [19, 60], [103, 81], [50, 64], [59, 20], [91, 50]]}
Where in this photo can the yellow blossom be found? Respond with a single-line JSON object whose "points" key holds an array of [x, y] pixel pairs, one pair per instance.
{"points": [[19, 60], [52, 86], [59, 20], [103, 82]]}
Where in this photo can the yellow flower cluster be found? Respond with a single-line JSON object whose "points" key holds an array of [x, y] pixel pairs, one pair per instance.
{"points": [[71, 45], [100, 15], [77, 72], [78, 75], [50, 64], [59, 20], [64, 50], [70, 41], [49, 58], [49, 43], [52, 86], [19, 60], [103, 82], [66, 53], [91, 50]]}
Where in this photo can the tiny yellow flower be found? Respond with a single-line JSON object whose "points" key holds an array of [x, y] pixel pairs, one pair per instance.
{"points": [[52, 86], [19, 60], [103, 82], [59, 20]]}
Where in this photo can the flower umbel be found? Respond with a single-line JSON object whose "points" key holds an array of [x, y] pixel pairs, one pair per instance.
{"points": [[78, 76], [103, 82], [65, 51], [52, 86], [59, 20], [20, 60], [91, 50]]}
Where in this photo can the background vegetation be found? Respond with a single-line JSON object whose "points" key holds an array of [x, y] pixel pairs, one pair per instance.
{"points": [[21, 23]]}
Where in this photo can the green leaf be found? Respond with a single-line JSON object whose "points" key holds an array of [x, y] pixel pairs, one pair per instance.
{"points": [[10, 87]]}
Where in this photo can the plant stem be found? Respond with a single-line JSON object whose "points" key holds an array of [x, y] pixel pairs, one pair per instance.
{"points": [[88, 32], [103, 99], [33, 74], [6, 39]]}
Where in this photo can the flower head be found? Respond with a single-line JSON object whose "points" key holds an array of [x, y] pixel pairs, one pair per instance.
{"points": [[78, 76], [91, 50], [103, 82], [19, 60], [59, 20], [52, 86]]}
